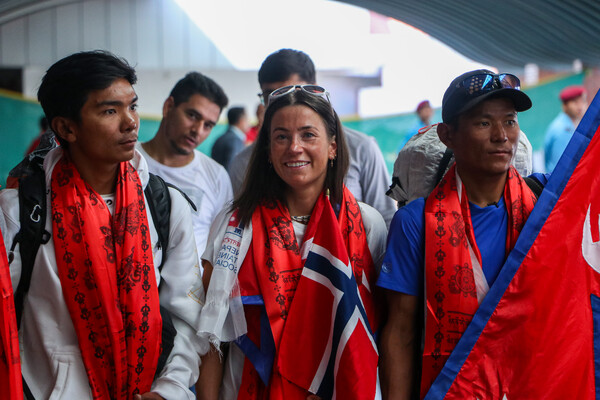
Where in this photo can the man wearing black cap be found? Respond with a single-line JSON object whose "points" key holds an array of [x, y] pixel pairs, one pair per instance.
{"points": [[446, 250]]}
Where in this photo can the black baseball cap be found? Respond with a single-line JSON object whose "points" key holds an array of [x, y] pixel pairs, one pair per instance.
{"points": [[471, 88]]}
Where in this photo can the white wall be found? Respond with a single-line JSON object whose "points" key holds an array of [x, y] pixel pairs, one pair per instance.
{"points": [[151, 34], [241, 87]]}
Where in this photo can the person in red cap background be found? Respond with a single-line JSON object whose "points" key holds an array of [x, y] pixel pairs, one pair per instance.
{"points": [[574, 104], [424, 113]]}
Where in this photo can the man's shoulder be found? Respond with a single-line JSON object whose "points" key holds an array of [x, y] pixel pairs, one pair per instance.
{"points": [[218, 146], [225, 136], [410, 217], [179, 202], [371, 216], [241, 159], [354, 135], [227, 141], [359, 143], [414, 209]]}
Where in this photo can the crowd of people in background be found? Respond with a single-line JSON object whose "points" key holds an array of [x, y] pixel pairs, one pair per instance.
{"points": [[286, 272]]}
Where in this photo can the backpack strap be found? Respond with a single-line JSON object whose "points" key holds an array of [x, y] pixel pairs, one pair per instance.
{"points": [[185, 196], [32, 232], [395, 182], [448, 153], [159, 203], [534, 184]]}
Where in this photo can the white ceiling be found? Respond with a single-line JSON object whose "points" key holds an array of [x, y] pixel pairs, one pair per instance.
{"points": [[508, 33], [511, 33]]}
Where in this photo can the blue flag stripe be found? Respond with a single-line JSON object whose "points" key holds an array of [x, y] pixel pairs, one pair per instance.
{"points": [[595, 301], [262, 358]]}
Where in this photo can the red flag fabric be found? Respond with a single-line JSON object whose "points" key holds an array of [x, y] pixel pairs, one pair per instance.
{"points": [[536, 334], [10, 362]]}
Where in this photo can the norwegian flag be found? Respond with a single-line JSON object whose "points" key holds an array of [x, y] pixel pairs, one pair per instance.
{"points": [[536, 334], [327, 345]]}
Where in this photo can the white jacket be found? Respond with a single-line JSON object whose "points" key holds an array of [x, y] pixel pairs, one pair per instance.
{"points": [[51, 360]]}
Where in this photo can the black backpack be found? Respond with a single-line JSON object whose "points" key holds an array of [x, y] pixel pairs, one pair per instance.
{"points": [[32, 234]]}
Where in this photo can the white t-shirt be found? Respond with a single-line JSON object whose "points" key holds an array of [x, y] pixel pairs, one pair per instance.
{"points": [[205, 182]]}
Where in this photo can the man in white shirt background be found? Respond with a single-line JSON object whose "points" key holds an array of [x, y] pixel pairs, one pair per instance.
{"points": [[189, 114]]}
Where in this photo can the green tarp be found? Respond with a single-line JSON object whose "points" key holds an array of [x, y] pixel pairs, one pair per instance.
{"points": [[19, 124]]}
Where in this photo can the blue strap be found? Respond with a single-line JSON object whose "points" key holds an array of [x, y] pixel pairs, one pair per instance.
{"points": [[255, 300], [262, 358]]}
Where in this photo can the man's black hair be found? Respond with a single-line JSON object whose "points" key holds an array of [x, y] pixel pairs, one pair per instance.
{"points": [[282, 64], [196, 83], [43, 124], [68, 82], [235, 114]]}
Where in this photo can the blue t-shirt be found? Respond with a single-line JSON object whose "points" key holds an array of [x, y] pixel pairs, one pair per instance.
{"points": [[403, 264]]}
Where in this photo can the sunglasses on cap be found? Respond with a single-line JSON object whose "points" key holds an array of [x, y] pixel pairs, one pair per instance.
{"points": [[488, 82], [314, 90]]}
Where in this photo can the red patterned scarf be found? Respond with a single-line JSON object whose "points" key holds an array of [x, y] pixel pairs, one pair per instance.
{"points": [[107, 276], [274, 262], [10, 362], [455, 284]]}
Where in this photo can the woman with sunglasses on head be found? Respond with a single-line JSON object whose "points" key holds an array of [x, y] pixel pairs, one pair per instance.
{"points": [[289, 270]]}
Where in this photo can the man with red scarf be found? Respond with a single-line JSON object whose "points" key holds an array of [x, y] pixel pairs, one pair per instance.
{"points": [[445, 251], [91, 325]]}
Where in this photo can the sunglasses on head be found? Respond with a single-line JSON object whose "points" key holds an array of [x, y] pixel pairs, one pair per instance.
{"points": [[314, 90], [488, 82]]}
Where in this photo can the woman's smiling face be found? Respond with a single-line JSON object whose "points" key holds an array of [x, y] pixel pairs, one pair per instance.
{"points": [[300, 148]]}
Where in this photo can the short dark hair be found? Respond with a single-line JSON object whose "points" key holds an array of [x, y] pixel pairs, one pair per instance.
{"points": [[235, 114], [262, 182], [196, 83], [68, 82], [43, 124], [282, 64]]}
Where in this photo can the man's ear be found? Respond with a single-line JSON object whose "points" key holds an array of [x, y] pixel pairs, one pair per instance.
{"points": [[446, 134], [65, 128], [168, 105]]}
